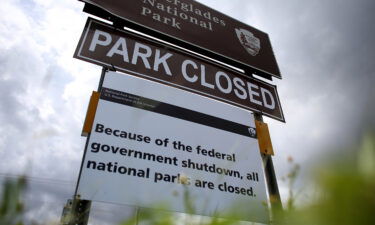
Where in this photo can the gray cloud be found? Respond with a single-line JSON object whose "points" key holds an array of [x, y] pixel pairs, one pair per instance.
{"points": [[325, 53], [324, 49]]}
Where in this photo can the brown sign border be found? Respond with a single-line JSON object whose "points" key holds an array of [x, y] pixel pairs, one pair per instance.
{"points": [[266, 66], [82, 40]]}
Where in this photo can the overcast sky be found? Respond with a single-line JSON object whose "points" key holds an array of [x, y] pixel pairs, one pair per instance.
{"points": [[325, 51]]}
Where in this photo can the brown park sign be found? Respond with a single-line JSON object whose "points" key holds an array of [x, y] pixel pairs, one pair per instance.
{"points": [[195, 26], [107, 46]]}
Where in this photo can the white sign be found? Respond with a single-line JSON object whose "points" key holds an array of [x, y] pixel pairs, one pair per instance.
{"points": [[156, 146]]}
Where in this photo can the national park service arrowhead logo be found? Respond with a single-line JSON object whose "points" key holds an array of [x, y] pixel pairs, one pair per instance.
{"points": [[248, 41]]}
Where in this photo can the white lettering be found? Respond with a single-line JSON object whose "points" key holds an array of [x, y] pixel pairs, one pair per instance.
{"points": [[151, 2], [264, 97], [239, 84], [217, 79], [203, 78], [145, 11], [121, 43], [138, 54], [187, 62], [162, 60], [96, 39], [252, 93]]}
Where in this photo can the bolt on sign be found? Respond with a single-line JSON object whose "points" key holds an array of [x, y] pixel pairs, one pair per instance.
{"points": [[147, 136], [198, 27], [104, 45]]}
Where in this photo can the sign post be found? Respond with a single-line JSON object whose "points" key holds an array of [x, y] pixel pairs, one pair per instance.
{"points": [[192, 25], [158, 127], [103, 45], [147, 136], [77, 211], [273, 189]]}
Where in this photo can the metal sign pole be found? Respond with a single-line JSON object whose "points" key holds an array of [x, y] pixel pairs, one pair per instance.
{"points": [[77, 211], [272, 187]]}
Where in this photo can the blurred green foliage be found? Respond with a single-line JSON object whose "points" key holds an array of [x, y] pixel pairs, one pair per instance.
{"points": [[346, 190], [346, 196], [291, 178], [11, 204]]}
